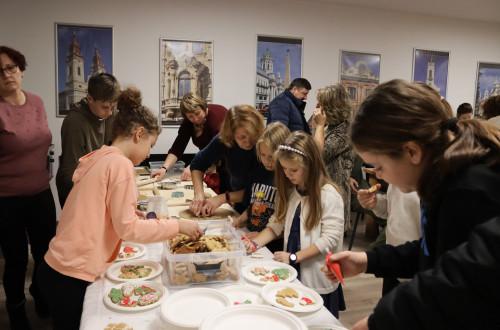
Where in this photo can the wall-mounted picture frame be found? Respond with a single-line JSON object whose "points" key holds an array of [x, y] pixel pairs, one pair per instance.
{"points": [[186, 66], [359, 74], [279, 61], [81, 51], [487, 84], [431, 68]]}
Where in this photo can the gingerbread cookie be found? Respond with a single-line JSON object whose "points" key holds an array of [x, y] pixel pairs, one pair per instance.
{"points": [[287, 293]]}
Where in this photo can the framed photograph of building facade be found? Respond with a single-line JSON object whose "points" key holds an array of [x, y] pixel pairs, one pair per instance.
{"points": [[487, 84], [359, 74], [81, 51], [185, 66], [431, 67], [279, 61]]}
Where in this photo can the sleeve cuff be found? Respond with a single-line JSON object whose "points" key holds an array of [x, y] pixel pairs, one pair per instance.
{"points": [[371, 262], [371, 322]]}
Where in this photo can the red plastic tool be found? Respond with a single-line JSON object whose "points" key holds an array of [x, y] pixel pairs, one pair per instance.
{"points": [[334, 267]]}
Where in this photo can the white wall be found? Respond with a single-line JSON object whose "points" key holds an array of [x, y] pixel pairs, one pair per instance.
{"points": [[233, 26]]}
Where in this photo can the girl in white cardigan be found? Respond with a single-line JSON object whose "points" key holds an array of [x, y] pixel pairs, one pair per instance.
{"points": [[309, 214]]}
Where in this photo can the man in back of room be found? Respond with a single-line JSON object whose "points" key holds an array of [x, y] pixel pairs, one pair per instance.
{"points": [[288, 107]]}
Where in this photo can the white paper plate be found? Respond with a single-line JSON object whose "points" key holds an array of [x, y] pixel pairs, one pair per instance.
{"points": [[251, 317], [269, 294], [141, 250], [325, 327], [243, 295], [114, 272], [154, 285], [188, 308], [269, 266]]}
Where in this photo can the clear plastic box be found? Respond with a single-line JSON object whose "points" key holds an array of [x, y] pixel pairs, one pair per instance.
{"points": [[206, 267]]}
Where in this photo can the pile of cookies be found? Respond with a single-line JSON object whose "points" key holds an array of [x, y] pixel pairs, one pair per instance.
{"points": [[183, 244]]}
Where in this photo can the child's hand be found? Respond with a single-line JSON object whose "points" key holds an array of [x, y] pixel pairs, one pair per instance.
{"points": [[282, 256], [252, 234], [250, 245], [351, 263], [367, 199], [238, 221], [140, 214], [190, 228]]}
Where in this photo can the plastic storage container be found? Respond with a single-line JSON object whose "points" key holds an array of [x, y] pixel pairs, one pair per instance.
{"points": [[206, 267]]}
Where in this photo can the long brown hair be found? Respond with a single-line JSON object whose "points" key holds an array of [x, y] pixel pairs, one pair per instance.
{"points": [[397, 112], [336, 104], [315, 176]]}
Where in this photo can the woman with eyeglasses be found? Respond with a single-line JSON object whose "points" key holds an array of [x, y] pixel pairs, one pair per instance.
{"points": [[27, 210]]}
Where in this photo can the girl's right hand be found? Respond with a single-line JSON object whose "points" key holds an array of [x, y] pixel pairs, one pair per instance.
{"points": [[197, 204], [351, 263], [158, 173], [367, 199], [190, 228]]}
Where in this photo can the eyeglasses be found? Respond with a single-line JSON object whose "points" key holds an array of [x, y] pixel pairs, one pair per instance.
{"points": [[10, 69]]}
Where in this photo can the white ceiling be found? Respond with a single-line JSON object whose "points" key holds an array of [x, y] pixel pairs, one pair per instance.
{"points": [[482, 10]]}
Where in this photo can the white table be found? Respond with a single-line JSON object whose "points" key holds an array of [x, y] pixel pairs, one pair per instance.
{"points": [[96, 315]]}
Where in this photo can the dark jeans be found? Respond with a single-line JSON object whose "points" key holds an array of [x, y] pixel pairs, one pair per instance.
{"points": [[25, 220], [64, 296], [334, 301]]}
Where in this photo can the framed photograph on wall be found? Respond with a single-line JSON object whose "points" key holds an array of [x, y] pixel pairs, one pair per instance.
{"points": [[185, 66], [487, 84], [81, 51], [279, 61], [359, 74], [431, 67]]}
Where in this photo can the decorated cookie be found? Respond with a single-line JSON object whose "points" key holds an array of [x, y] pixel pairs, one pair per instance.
{"points": [[304, 301], [287, 293], [284, 302], [148, 299]]}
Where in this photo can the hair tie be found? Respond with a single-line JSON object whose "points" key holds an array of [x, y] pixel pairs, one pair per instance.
{"points": [[450, 125], [285, 147]]}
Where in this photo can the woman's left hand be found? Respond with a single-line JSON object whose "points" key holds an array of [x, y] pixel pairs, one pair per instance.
{"points": [[186, 174], [282, 256], [361, 324], [319, 117], [212, 204]]}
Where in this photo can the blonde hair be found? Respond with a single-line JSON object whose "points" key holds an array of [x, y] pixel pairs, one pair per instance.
{"points": [[241, 116], [274, 135], [334, 100], [191, 103], [315, 175]]}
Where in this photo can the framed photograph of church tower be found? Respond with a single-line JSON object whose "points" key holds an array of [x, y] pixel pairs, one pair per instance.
{"points": [[359, 74], [431, 67], [279, 61], [487, 84], [81, 51], [185, 67]]}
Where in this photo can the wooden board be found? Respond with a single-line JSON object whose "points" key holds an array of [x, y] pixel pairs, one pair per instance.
{"points": [[219, 214]]}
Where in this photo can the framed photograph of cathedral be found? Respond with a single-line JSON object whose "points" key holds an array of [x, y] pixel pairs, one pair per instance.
{"points": [[431, 67], [81, 51], [359, 74], [487, 84], [279, 61], [185, 67]]}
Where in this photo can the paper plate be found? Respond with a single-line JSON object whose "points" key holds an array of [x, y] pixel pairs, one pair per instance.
{"points": [[114, 272], [243, 295], [270, 291], [158, 287], [325, 327], [188, 308], [251, 317], [268, 267], [139, 248]]}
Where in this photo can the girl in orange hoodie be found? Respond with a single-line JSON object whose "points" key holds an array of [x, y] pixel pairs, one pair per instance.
{"points": [[100, 212]]}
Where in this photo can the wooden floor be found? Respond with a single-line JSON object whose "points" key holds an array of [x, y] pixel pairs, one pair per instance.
{"points": [[361, 293]]}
